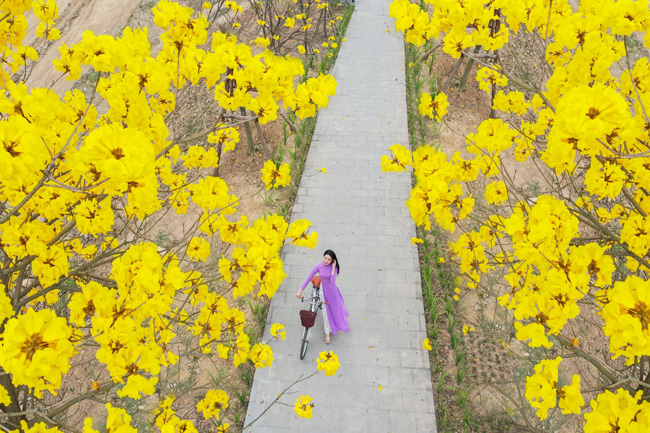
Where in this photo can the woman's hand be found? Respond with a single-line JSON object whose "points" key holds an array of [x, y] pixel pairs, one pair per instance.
{"points": [[299, 294], [333, 266]]}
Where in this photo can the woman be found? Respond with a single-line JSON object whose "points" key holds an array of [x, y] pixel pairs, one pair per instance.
{"points": [[335, 315]]}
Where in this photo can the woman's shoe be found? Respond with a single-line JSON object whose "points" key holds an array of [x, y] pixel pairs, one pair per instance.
{"points": [[327, 339]]}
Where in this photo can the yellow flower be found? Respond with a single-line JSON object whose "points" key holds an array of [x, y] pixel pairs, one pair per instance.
{"points": [[304, 406], [441, 260], [416, 241], [328, 362], [496, 193], [487, 76], [541, 387], [6, 309], [214, 402], [277, 331], [322, 170], [232, 5], [400, 160], [626, 316], [4, 396], [222, 351], [261, 41], [40, 427], [36, 350], [299, 233], [301, 49], [467, 329], [274, 176], [206, 5], [198, 249], [261, 355], [211, 193], [436, 107], [426, 344], [118, 420], [571, 399], [628, 413]]}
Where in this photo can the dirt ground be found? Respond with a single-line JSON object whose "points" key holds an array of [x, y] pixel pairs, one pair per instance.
{"points": [[75, 17]]}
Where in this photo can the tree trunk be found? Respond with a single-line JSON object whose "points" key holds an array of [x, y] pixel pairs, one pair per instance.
{"points": [[249, 133]]}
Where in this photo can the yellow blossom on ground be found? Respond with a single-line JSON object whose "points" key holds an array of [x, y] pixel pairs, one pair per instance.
{"points": [[416, 241], [426, 344], [467, 329]]}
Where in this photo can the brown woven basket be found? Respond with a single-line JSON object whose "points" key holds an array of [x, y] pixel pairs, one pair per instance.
{"points": [[307, 318]]}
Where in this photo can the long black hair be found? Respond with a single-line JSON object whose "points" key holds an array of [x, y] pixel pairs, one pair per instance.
{"points": [[332, 254]]}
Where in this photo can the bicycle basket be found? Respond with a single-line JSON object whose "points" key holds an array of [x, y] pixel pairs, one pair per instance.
{"points": [[307, 318]]}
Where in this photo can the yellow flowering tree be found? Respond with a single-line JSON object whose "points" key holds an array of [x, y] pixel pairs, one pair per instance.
{"points": [[571, 260], [91, 308], [288, 24]]}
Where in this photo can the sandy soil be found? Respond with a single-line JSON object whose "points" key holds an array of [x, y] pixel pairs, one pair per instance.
{"points": [[75, 17]]}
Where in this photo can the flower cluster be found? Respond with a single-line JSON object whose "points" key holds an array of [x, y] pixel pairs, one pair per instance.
{"points": [[579, 249], [543, 393], [82, 186], [304, 406], [328, 362]]}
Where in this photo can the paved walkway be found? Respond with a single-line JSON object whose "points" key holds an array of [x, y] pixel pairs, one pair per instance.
{"points": [[383, 384]]}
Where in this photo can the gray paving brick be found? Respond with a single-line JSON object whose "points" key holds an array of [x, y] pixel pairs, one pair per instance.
{"points": [[403, 422]]}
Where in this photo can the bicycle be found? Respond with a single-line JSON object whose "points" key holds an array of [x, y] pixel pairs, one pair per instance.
{"points": [[307, 317]]}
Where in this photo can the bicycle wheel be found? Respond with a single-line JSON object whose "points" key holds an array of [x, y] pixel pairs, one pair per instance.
{"points": [[306, 333]]}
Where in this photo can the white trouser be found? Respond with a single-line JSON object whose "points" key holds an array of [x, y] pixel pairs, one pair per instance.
{"points": [[326, 320]]}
